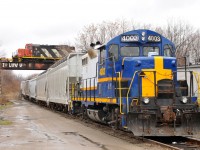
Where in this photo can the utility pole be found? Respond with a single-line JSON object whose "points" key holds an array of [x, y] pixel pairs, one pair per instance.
{"points": [[0, 79], [185, 67]]}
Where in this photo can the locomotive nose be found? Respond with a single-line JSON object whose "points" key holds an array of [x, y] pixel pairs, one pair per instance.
{"points": [[165, 122]]}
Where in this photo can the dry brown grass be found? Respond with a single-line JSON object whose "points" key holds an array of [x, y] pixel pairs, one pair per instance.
{"points": [[3, 100], [10, 86]]}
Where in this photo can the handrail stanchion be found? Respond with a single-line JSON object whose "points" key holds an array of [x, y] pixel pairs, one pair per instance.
{"points": [[129, 90]]}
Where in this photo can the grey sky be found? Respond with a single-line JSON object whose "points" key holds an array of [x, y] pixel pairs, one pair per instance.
{"points": [[59, 21]]}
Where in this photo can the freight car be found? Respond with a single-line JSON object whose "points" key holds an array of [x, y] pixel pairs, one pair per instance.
{"points": [[32, 87], [25, 89], [22, 88], [129, 83]]}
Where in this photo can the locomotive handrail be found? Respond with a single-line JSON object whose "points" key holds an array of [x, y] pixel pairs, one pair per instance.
{"points": [[108, 58], [89, 88], [129, 89], [120, 94], [68, 63], [197, 77], [139, 88], [191, 81]]}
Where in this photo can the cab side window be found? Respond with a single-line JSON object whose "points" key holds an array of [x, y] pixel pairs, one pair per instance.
{"points": [[168, 50], [102, 55], [113, 52]]}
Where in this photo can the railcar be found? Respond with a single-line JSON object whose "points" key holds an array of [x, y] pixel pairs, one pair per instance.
{"points": [[129, 83], [52, 87], [22, 88], [32, 89], [25, 89], [59, 78], [40, 89]]}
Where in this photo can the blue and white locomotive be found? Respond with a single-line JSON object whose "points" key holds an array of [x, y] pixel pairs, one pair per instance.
{"points": [[129, 83]]}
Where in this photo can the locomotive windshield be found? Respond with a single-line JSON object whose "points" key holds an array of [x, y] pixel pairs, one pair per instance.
{"points": [[148, 49], [130, 51]]}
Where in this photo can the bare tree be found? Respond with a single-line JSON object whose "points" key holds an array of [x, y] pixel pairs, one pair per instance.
{"points": [[195, 50], [10, 84], [112, 29], [102, 32], [183, 35]]}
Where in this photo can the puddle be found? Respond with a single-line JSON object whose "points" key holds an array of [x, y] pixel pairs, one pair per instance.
{"points": [[35, 130], [70, 133], [49, 137], [39, 141], [87, 139], [7, 145], [30, 129], [23, 118]]}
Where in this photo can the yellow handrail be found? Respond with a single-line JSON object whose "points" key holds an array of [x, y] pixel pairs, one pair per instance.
{"points": [[120, 94], [197, 77], [73, 90], [129, 90]]}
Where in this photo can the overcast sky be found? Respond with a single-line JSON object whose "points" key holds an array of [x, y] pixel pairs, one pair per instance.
{"points": [[59, 21]]}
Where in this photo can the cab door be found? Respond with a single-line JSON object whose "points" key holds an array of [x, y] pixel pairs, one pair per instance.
{"points": [[113, 61]]}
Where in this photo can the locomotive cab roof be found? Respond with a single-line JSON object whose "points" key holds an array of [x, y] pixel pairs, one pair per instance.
{"points": [[143, 40], [139, 36]]}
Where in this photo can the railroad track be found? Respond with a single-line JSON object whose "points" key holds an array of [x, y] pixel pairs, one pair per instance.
{"points": [[170, 143], [181, 142]]}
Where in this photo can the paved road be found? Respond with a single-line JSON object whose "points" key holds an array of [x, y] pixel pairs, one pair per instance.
{"points": [[39, 129]]}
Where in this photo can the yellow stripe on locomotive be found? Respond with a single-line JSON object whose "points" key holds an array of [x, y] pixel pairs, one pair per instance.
{"points": [[150, 79]]}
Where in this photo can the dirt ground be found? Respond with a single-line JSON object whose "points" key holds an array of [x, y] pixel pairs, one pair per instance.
{"points": [[35, 128]]}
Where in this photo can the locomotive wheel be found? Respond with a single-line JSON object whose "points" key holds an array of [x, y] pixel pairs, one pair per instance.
{"points": [[83, 112], [117, 118]]}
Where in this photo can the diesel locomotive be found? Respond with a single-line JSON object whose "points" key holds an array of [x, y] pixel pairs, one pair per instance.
{"points": [[129, 83]]}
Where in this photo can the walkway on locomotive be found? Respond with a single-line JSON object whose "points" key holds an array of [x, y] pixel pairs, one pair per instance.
{"points": [[120, 58]]}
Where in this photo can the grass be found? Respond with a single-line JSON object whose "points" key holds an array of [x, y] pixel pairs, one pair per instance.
{"points": [[3, 100], [5, 122], [2, 107], [4, 103]]}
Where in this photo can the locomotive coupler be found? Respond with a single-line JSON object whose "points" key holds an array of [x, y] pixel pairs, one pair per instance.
{"points": [[169, 116]]}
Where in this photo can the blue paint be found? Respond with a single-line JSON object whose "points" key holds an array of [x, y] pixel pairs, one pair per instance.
{"points": [[128, 65], [194, 99]]}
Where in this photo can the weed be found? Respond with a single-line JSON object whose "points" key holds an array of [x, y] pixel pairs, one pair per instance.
{"points": [[5, 122]]}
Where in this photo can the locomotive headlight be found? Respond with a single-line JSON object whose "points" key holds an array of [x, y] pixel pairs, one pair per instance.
{"points": [[184, 100], [173, 63], [146, 100]]}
